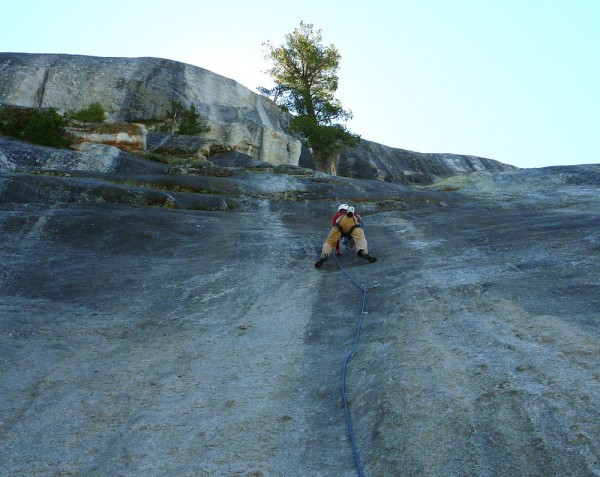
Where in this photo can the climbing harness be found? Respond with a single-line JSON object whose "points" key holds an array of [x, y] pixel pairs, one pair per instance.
{"points": [[349, 233]]}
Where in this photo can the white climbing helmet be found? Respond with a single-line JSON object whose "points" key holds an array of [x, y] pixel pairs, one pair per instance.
{"points": [[343, 206], [350, 211]]}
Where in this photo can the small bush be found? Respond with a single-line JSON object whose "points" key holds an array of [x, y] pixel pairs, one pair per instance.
{"points": [[182, 120], [193, 122], [39, 126], [94, 113]]}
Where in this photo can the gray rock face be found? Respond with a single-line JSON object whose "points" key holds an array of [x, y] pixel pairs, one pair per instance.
{"points": [[137, 89], [371, 160], [53, 175], [130, 89], [141, 89], [17, 156], [141, 336]]}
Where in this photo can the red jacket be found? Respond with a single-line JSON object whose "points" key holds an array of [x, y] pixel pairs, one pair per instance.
{"points": [[336, 217]]}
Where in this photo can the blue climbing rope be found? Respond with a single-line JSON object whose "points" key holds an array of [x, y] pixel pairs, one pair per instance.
{"points": [[345, 365]]}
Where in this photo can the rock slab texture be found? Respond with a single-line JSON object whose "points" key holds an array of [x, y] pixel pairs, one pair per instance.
{"points": [[142, 89], [153, 339]]}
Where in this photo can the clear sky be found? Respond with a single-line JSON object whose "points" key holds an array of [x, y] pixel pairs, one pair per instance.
{"points": [[513, 80]]}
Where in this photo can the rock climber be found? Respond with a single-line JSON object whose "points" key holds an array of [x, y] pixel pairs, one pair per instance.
{"points": [[342, 209], [346, 224]]}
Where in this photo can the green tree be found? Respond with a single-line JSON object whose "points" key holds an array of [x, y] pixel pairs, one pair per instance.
{"points": [[305, 75], [192, 122], [184, 120]]}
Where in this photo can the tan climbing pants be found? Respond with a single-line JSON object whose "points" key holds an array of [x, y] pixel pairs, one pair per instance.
{"points": [[347, 224]]}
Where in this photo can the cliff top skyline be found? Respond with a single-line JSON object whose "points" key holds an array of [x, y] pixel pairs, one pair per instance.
{"points": [[514, 83]]}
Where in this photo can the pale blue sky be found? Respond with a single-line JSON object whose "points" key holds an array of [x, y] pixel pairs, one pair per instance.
{"points": [[513, 80]]}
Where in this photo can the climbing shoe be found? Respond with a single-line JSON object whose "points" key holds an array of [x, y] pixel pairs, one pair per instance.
{"points": [[321, 261], [366, 256]]}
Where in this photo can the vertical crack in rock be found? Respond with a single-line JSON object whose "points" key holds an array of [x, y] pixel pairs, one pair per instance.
{"points": [[39, 95]]}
